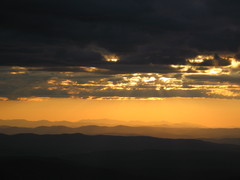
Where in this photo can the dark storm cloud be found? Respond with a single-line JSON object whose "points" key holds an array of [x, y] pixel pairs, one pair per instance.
{"points": [[50, 32]]}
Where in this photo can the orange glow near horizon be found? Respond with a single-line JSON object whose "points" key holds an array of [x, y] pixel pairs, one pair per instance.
{"points": [[204, 112]]}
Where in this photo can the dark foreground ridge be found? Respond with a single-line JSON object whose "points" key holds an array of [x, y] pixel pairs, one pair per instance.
{"points": [[78, 156]]}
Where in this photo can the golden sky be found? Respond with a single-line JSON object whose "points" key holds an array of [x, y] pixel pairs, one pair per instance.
{"points": [[193, 111]]}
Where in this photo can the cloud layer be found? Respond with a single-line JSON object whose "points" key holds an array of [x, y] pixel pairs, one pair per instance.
{"points": [[121, 81], [73, 32]]}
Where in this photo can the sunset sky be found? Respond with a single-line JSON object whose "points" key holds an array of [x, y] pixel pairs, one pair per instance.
{"points": [[130, 62]]}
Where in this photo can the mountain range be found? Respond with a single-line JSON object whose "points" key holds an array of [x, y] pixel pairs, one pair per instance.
{"points": [[95, 122], [161, 132]]}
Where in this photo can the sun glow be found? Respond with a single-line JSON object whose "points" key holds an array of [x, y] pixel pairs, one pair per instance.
{"points": [[200, 59], [234, 63], [215, 71], [111, 58]]}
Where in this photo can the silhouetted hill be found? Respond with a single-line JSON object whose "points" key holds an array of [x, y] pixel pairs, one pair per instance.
{"points": [[225, 141], [51, 168], [78, 156], [76, 143], [161, 132]]}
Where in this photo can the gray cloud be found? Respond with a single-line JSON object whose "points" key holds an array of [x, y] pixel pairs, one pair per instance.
{"points": [[50, 33], [232, 79]]}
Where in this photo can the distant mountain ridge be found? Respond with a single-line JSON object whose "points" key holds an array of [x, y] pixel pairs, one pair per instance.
{"points": [[33, 124], [160, 132], [91, 122]]}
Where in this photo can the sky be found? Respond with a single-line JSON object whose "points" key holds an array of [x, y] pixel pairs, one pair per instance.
{"points": [[127, 61]]}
